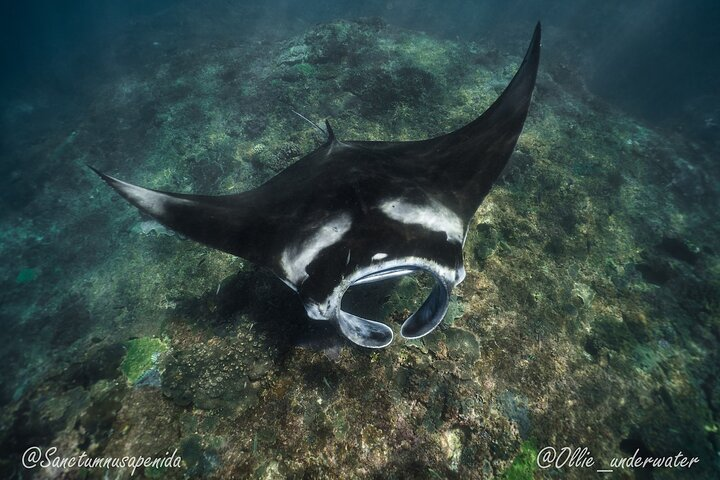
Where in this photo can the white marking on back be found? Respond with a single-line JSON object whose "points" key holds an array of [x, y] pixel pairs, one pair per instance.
{"points": [[433, 216], [379, 256], [297, 256]]}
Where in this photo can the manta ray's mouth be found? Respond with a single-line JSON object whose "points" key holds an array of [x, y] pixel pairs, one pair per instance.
{"points": [[381, 294]]}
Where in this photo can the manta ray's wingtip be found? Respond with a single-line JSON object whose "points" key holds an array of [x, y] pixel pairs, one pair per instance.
{"points": [[153, 202], [113, 182], [534, 49], [94, 169], [106, 178]]}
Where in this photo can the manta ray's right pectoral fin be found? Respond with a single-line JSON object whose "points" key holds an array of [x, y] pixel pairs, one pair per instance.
{"points": [[222, 222]]}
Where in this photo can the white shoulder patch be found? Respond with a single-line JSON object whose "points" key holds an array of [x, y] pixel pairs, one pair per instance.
{"points": [[297, 256], [433, 216]]}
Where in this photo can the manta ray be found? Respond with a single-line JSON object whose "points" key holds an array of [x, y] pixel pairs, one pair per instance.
{"points": [[356, 212]]}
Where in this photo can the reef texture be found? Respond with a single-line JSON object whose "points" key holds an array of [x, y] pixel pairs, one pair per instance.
{"points": [[590, 315]]}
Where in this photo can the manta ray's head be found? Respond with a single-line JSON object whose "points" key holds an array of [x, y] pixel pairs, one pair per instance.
{"points": [[392, 236], [356, 213]]}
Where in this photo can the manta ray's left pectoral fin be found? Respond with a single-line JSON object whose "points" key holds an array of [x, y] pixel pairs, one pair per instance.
{"points": [[221, 222]]}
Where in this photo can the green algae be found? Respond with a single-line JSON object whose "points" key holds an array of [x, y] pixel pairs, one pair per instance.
{"points": [[26, 275], [524, 464], [486, 242], [456, 309], [462, 344], [306, 69], [142, 355]]}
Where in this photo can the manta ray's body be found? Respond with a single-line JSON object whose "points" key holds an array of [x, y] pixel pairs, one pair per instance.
{"points": [[358, 212]]}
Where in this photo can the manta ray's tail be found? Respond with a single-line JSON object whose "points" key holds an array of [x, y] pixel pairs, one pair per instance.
{"points": [[215, 221]]}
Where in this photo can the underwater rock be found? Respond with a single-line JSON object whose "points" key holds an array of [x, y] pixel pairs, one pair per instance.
{"points": [[322, 338], [455, 311], [259, 369], [146, 422], [434, 343], [488, 239], [39, 419], [294, 54], [254, 127], [201, 460], [655, 270], [582, 295], [452, 443], [462, 344], [70, 322], [515, 407], [679, 249], [612, 334], [98, 418], [147, 227], [517, 168], [100, 362], [215, 378], [638, 323]]}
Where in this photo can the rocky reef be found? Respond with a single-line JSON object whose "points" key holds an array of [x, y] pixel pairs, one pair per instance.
{"points": [[590, 315]]}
